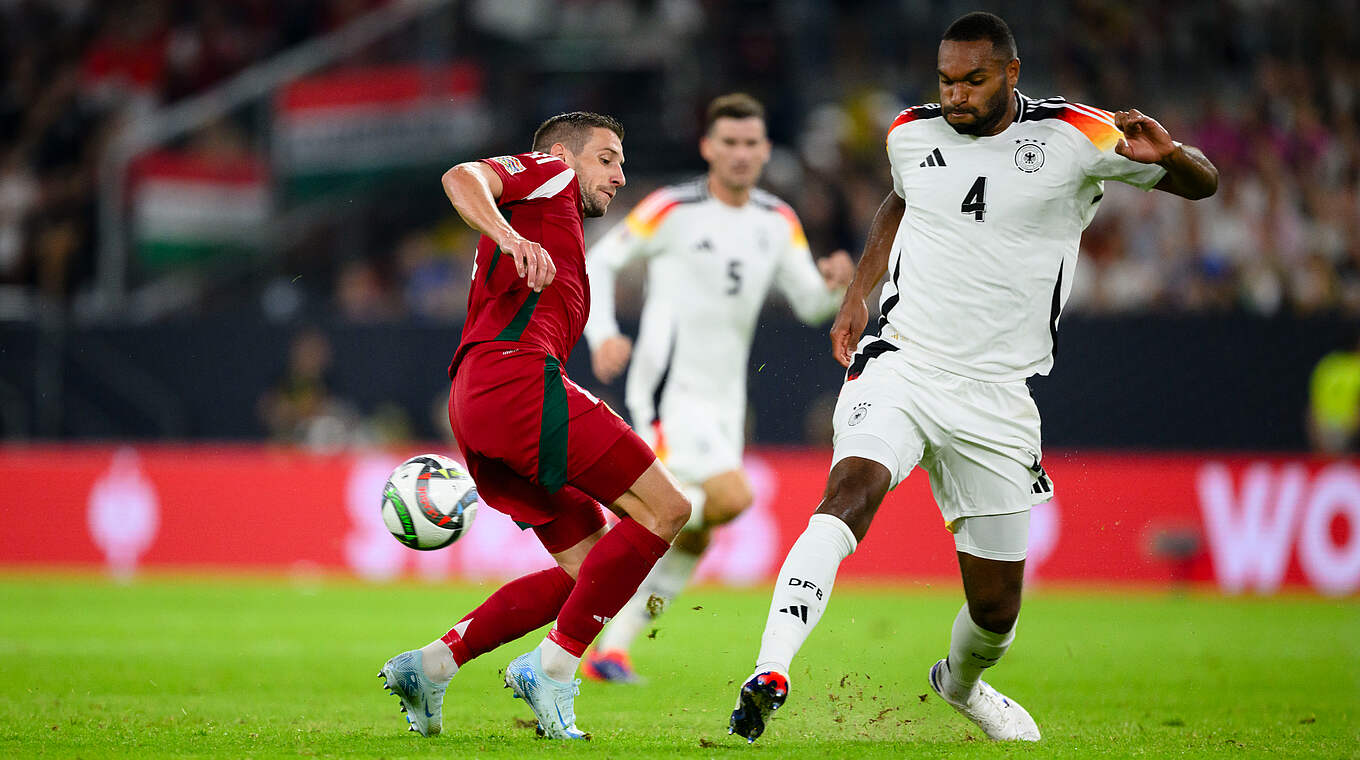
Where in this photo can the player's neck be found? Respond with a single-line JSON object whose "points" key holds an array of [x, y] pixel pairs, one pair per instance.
{"points": [[1012, 110], [730, 196]]}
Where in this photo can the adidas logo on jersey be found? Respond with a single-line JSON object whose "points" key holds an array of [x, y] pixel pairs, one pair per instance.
{"points": [[936, 158], [797, 610]]}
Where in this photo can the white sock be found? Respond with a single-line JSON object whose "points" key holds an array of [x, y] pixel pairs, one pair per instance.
{"points": [[437, 660], [803, 589], [558, 663], [665, 582], [972, 649]]}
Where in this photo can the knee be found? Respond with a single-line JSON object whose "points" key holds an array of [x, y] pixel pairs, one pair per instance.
{"points": [[671, 515], [727, 506], [693, 541]]}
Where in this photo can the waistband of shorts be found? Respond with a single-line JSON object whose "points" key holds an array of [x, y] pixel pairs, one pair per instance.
{"points": [[529, 349], [914, 354]]}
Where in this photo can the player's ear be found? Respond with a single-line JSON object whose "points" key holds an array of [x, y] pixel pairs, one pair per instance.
{"points": [[1013, 71], [559, 150], [705, 148]]}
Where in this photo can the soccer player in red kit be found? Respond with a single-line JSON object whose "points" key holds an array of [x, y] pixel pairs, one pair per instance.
{"points": [[540, 448]]}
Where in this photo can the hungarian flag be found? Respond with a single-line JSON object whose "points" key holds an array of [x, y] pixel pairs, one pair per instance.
{"points": [[378, 118], [188, 206]]}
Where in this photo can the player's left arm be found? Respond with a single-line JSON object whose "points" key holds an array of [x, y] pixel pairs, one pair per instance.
{"points": [[1189, 173], [813, 288]]}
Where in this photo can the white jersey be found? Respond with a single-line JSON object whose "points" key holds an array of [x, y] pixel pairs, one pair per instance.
{"points": [[710, 266], [983, 260]]}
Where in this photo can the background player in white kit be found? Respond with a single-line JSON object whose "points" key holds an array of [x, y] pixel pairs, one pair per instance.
{"points": [[714, 248], [991, 191]]}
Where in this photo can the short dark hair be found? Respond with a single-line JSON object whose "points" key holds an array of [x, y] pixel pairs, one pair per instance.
{"points": [[980, 25], [734, 105], [573, 129]]}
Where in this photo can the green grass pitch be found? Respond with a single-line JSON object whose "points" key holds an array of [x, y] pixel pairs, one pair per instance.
{"points": [[237, 668]]}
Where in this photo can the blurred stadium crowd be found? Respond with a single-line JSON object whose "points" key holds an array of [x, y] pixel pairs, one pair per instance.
{"points": [[1268, 88], [73, 71]]}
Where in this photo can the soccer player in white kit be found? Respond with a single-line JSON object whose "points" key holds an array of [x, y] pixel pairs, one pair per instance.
{"points": [[714, 248], [991, 190]]}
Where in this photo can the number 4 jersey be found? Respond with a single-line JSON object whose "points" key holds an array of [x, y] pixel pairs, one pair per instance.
{"points": [[983, 260]]}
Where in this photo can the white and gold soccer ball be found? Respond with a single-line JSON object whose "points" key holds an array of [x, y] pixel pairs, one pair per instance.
{"points": [[429, 502]]}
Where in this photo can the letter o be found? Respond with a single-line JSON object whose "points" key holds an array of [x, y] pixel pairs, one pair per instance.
{"points": [[1332, 569]]}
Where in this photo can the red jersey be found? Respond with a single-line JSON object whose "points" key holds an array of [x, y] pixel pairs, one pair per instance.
{"points": [[542, 201]]}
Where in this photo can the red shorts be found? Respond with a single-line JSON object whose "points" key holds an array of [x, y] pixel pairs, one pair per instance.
{"points": [[542, 449]]}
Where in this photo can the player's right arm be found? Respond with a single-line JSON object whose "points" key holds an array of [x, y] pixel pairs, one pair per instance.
{"points": [[873, 264], [473, 188]]}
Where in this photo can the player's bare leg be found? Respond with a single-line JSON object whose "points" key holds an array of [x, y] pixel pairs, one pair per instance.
{"points": [[608, 575], [420, 677], [656, 502], [854, 490], [982, 632], [722, 499], [438, 656]]}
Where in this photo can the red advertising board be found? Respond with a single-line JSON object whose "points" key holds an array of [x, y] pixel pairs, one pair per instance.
{"points": [[1243, 523]]}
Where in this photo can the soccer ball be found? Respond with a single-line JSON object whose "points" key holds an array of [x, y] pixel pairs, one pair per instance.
{"points": [[429, 501]]}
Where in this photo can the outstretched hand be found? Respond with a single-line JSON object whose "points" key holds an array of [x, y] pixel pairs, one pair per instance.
{"points": [[610, 357], [849, 325], [1145, 140], [837, 270]]}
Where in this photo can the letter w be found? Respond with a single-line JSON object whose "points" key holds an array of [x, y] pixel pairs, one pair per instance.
{"points": [[1250, 542]]}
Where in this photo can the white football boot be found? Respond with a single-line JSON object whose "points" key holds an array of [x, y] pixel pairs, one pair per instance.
{"points": [[999, 716], [553, 702], [421, 699]]}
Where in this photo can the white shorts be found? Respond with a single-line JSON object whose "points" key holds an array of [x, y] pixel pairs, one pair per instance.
{"points": [[978, 441], [696, 440], [999, 537]]}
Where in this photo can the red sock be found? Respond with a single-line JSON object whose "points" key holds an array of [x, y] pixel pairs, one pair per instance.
{"points": [[609, 576], [515, 609]]}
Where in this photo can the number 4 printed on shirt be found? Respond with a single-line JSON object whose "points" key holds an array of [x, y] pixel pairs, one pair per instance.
{"points": [[975, 202]]}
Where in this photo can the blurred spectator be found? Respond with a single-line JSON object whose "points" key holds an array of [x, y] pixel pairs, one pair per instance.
{"points": [[363, 294], [300, 407], [126, 62], [439, 417], [388, 425], [18, 198], [58, 241], [1334, 401], [1268, 89], [207, 44], [435, 281]]}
